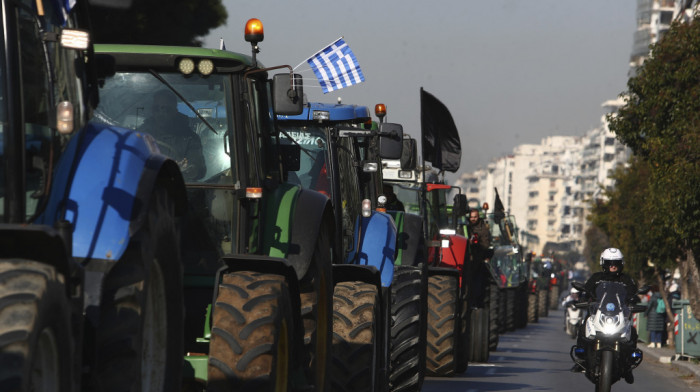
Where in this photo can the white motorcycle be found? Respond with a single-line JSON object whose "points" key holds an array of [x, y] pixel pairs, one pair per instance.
{"points": [[573, 315], [609, 349]]}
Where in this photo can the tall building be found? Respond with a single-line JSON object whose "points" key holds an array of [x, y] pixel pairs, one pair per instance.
{"points": [[654, 18], [549, 187]]}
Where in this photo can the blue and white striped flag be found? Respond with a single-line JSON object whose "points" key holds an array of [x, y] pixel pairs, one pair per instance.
{"points": [[336, 67]]}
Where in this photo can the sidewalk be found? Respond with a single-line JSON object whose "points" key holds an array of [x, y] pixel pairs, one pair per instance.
{"points": [[666, 355]]}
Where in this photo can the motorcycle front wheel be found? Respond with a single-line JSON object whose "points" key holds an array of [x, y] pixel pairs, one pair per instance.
{"points": [[606, 371]]}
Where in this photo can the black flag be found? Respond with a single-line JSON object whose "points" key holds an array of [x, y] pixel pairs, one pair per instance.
{"points": [[440, 140], [499, 212]]}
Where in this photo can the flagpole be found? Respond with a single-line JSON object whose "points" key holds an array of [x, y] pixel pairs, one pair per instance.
{"points": [[341, 37]]}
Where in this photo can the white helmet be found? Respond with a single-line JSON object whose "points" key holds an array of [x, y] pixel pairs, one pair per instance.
{"points": [[610, 257], [573, 290]]}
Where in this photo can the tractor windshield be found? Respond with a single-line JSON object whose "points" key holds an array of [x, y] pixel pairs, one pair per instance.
{"points": [[188, 116], [313, 172]]}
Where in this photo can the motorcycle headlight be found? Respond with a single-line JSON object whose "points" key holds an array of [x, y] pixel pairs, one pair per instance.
{"points": [[609, 324]]}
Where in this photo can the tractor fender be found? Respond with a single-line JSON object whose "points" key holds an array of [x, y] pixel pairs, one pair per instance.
{"points": [[103, 186], [455, 255], [433, 271], [353, 272], [375, 237], [296, 228], [410, 242]]}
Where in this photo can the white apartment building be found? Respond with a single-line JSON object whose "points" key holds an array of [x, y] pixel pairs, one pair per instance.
{"points": [[654, 18], [549, 187], [602, 154]]}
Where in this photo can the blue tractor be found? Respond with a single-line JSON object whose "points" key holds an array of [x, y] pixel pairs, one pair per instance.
{"points": [[335, 158], [90, 268]]}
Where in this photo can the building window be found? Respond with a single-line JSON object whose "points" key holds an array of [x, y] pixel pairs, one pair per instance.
{"points": [[666, 17], [532, 224]]}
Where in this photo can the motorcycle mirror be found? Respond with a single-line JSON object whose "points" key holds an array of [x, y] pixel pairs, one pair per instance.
{"points": [[578, 286], [644, 289], [581, 305], [638, 308]]}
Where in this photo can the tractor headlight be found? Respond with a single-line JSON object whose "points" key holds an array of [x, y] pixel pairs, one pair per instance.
{"points": [[186, 66], [205, 67]]}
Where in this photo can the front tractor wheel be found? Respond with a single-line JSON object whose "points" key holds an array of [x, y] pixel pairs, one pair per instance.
{"points": [[408, 340], [139, 341], [442, 325], [356, 313], [251, 335], [36, 347]]}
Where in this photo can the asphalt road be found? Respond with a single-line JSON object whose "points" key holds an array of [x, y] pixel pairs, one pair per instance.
{"points": [[536, 358]]}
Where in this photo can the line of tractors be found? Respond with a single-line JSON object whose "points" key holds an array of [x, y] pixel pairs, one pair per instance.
{"points": [[178, 218]]}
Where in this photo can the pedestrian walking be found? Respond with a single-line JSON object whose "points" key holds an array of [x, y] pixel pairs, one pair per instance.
{"points": [[656, 319]]}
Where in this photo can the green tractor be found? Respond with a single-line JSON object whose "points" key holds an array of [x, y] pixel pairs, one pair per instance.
{"points": [[257, 251]]}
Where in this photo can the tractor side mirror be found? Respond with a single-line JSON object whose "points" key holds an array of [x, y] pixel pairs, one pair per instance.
{"points": [[390, 140], [287, 97], [459, 206]]}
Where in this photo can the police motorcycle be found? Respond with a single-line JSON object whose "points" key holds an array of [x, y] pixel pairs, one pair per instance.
{"points": [[609, 351], [572, 315]]}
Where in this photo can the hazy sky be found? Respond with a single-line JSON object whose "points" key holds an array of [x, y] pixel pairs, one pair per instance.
{"points": [[510, 71]]}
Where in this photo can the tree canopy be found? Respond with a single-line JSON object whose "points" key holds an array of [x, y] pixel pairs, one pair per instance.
{"points": [[660, 122], [654, 212], [158, 22]]}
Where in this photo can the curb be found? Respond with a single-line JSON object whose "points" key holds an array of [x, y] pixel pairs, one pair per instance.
{"points": [[666, 355]]}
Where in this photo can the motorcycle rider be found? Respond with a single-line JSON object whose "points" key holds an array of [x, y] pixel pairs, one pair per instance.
{"points": [[612, 262], [570, 299]]}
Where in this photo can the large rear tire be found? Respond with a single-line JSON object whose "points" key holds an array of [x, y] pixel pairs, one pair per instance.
{"points": [[442, 325], [479, 335], [542, 308], [502, 310], [356, 314], [36, 344], [407, 340], [139, 341], [510, 309], [521, 306], [554, 298], [493, 317], [252, 334], [532, 307], [464, 339], [606, 372]]}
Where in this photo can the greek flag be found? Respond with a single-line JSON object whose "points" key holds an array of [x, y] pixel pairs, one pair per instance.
{"points": [[336, 67]]}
